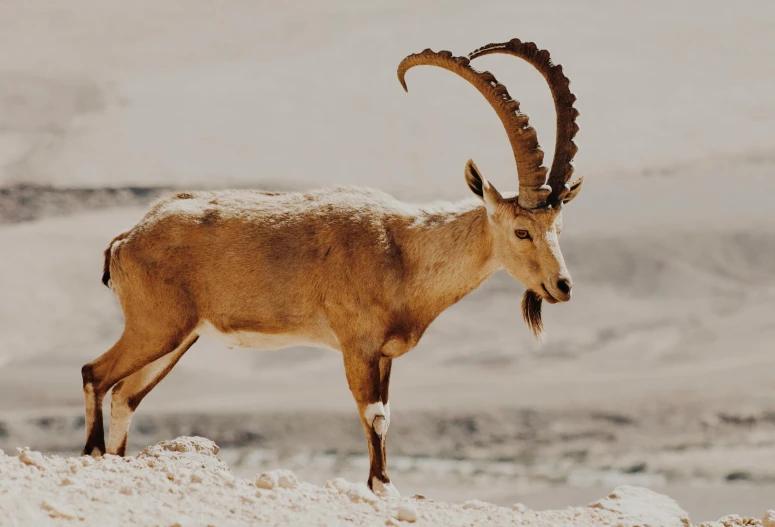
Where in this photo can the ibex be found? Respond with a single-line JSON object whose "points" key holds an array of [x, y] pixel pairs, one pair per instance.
{"points": [[345, 268]]}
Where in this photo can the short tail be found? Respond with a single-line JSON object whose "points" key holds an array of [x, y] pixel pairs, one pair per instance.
{"points": [[106, 265]]}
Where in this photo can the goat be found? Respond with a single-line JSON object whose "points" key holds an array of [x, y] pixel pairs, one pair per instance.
{"points": [[345, 268]]}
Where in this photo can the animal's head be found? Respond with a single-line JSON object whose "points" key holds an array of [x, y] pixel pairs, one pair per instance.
{"points": [[525, 229]]}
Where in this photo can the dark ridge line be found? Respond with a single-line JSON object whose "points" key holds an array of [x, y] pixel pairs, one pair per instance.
{"points": [[25, 202], [28, 202]]}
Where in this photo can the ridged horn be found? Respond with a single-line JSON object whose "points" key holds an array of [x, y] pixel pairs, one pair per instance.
{"points": [[565, 149], [528, 155]]}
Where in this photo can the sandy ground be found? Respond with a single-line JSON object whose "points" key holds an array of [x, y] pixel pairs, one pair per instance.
{"points": [[657, 373], [183, 482]]}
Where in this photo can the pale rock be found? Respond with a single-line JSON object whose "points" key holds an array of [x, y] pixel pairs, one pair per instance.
{"points": [[57, 511], [339, 484], [475, 504], [640, 506], [385, 490], [199, 445], [284, 479], [360, 492], [769, 519], [287, 479], [733, 520], [407, 513], [31, 457]]}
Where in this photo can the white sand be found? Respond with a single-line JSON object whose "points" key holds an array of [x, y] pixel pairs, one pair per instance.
{"points": [[182, 482]]}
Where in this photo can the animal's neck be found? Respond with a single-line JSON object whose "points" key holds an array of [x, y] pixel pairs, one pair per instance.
{"points": [[450, 251]]}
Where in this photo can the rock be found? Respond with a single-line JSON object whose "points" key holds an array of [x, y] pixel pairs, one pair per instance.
{"points": [[407, 513], [475, 504], [360, 492], [734, 520], [339, 484], [196, 444], [283, 479], [287, 479], [730, 518], [519, 507], [197, 476], [32, 458], [57, 511], [643, 507], [385, 490], [769, 519]]}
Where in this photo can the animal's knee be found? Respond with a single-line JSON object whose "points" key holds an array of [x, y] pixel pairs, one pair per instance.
{"points": [[87, 373], [377, 417]]}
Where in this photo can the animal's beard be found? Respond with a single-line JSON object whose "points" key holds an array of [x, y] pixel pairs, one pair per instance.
{"points": [[531, 312]]}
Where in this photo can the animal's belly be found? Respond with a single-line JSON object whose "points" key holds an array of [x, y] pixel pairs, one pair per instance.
{"points": [[261, 341]]}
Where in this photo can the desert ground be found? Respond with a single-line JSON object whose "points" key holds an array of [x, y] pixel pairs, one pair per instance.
{"points": [[658, 373], [183, 482]]}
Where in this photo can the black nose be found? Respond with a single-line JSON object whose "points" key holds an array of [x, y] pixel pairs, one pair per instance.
{"points": [[564, 285]]}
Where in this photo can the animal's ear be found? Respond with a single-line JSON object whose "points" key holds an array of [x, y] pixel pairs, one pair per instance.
{"points": [[574, 190], [481, 187]]}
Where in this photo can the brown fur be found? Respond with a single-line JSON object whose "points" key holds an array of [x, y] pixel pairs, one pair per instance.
{"points": [[346, 268]]}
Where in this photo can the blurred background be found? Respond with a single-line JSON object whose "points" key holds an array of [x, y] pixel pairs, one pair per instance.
{"points": [[660, 372]]}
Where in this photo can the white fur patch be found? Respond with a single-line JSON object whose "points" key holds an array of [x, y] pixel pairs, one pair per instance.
{"points": [[255, 340], [376, 418], [384, 490]]}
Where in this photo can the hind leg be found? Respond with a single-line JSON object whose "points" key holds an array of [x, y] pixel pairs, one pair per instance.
{"points": [[132, 352], [129, 391]]}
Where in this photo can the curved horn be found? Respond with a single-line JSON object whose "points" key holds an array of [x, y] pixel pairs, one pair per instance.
{"points": [[559, 84], [529, 157]]}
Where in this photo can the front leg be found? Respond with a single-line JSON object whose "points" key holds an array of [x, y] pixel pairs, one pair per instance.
{"points": [[368, 378]]}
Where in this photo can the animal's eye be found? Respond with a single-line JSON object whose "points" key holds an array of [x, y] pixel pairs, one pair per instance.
{"points": [[522, 234]]}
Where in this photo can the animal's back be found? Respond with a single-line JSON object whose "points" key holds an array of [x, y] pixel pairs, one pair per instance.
{"points": [[267, 262]]}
